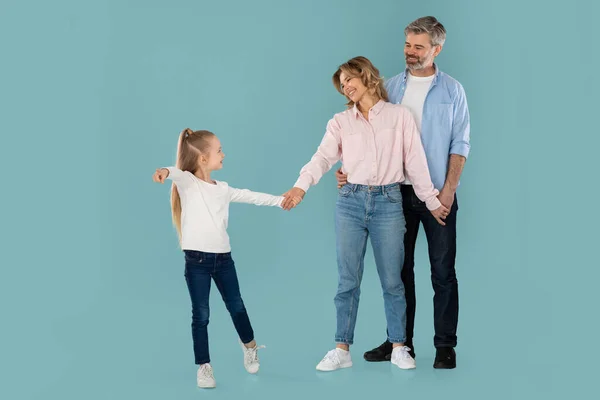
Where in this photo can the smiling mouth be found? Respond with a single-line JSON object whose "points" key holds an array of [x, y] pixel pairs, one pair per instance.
{"points": [[351, 93]]}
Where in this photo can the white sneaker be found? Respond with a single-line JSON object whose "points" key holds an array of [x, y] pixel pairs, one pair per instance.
{"points": [[205, 378], [335, 359], [402, 358], [251, 362]]}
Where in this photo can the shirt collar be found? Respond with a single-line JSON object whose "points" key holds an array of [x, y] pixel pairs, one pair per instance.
{"points": [[435, 78], [376, 109]]}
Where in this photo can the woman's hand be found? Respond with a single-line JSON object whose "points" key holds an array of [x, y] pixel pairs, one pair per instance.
{"points": [[440, 214], [293, 197], [341, 178]]}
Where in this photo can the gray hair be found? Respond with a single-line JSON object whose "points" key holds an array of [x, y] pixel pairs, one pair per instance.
{"points": [[429, 25]]}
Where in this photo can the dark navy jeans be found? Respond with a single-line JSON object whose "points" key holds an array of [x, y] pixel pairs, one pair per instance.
{"points": [[200, 269]]}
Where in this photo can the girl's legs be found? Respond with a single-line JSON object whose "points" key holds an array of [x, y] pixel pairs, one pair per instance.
{"points": [[225, 277], [198, 277]]}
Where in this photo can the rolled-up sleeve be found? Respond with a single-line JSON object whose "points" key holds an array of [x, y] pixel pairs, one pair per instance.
{"points": [[461, 126]]}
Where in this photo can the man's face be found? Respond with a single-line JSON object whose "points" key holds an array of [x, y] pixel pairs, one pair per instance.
{"points": [[419, 52]]}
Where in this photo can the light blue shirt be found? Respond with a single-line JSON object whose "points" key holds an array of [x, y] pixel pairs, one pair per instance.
{"points": [[445, 126]]}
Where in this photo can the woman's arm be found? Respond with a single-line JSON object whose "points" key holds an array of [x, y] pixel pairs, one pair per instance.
{"points": [[415, 163], [328, 153]]}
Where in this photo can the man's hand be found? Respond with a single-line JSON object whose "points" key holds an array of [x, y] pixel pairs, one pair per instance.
{"points": [[446, 197], [342, 178]]}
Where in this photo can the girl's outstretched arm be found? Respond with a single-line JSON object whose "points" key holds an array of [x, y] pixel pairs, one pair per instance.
{"points": [[179, 177], [256, 198]]}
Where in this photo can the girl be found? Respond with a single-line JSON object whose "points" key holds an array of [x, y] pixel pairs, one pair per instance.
{"points": [[380, 146], [200, 210]]}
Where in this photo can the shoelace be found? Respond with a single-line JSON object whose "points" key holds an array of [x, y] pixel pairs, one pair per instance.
{"points": [[206, 372], [251, 354], [404, 352], [333, 356]]}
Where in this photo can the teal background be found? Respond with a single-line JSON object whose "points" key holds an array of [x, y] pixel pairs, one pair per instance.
{"points": [[93, 95]]}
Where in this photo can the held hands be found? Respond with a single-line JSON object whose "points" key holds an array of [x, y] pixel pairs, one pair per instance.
{"points": [[293, 197], [160, 175], [446, 197], [440, 214]]}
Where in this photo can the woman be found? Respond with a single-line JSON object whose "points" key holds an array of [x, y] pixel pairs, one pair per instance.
{"points": [[378, 143]]}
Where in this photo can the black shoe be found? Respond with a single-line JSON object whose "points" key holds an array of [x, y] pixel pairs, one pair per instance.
{"points": [[381, 353], [445, 358]]}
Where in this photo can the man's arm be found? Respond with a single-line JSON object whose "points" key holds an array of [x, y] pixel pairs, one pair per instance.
{"points": [[455, 168], [460, 147]]}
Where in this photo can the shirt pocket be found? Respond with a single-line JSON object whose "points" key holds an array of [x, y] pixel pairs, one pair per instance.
{"points": [[393, 139], [353, 148], [443, 117]]}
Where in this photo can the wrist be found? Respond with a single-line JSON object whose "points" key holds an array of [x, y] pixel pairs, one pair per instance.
{"points": [[301, 191], [449, 188]]}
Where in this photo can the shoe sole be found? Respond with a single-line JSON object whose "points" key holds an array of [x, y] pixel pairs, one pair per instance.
{"points": [[347, 365], [207, 387], [444, 366], [387, 357], [405, 368]]}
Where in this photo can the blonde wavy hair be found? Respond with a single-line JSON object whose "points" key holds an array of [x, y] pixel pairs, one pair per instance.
{"points": [[369, 76], [191, 145]]}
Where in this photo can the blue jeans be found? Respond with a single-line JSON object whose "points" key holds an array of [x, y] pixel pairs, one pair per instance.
{"points": [[200, 268], [375, 211]]}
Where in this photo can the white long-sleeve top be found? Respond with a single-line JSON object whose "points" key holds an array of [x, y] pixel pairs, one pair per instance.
{"points": [[205, 210]]}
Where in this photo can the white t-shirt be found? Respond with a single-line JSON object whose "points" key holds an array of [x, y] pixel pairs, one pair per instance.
{"points": [[205, 210], [414, 98]]}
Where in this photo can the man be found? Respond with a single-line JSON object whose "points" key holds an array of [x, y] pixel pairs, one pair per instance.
{"points": [[439, 105]]}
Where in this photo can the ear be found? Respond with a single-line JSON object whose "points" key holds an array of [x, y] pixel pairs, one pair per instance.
{"points": [[438, 50]]}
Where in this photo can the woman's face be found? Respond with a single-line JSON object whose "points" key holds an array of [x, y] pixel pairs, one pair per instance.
{"points": [[352, 87]]}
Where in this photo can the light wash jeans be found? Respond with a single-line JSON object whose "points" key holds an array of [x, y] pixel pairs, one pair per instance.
{"points": [[375, 211]]}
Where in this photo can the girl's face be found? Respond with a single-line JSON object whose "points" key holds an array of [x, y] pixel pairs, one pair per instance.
{"points": [[213, 159]]}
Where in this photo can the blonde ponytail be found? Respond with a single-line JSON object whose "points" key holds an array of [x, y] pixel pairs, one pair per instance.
{"points": [[190, 145]]}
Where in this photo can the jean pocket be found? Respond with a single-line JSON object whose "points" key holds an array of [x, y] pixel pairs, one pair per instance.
{"points": [[194, 257], [394, 196], [345, 191]]}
